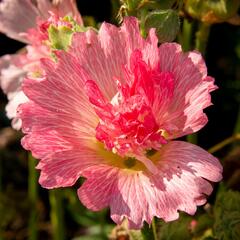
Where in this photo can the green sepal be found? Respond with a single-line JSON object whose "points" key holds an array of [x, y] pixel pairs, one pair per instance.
{"points": [[60, 37]]}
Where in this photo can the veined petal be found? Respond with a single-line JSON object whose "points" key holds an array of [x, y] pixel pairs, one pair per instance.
{"points": [[72, 118], [11, 108], [192, 87], [180, 184], [11, 78], [104, 55], [72, 140], [64, 168], [190, 156], [17, 17]]}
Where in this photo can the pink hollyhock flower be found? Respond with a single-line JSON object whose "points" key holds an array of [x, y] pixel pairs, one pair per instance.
{"points": [[25, 21], [108, 110]]}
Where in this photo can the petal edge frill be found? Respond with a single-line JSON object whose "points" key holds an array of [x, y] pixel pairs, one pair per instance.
{"points": [[184, 114], [139, 196], [104, 55]]}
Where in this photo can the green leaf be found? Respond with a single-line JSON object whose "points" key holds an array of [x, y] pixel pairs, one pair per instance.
{"points": [[227, 216], [166, 22], [204, 222], [135, 235], [147, 231], [176, 230]]}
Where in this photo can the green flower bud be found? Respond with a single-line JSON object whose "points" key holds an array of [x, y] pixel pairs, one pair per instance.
{"points": [[212, 11]]}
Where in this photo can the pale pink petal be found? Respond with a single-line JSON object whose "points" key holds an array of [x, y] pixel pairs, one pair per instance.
{"points": [[104, 55], [17, 17], [72, 116], [64, 168], [53, 138], [66, 78], [57, 126], [11, 108], [192, 87], [11, 78], [181, 184], [190, 156], [63, 8], [96, 98]]}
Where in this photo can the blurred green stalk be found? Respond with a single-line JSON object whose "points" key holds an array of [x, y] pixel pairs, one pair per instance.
{"points": [[1, 172], [154, 229], [57, 214], [237, 124], [33, 197], [202, 37], [186, 36]]}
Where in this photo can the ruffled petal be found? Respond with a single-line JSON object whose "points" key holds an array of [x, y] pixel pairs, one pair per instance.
{"points": [[60, 106], [181, 184], [190, 156], [63, 168], [12, 106], [192, 87], [104, 55], [11, 78], [59, 130], [17, 17]]}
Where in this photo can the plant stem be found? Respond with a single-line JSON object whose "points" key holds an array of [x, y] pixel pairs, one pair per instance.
{"points": [[202, 37], [143, 14], [237, 125], [186, 36], [154, 229], [192, 138], [1, 172], [32, 196], [224, 143], [57, 214]]}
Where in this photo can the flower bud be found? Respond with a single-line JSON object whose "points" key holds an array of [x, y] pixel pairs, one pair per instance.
{"points": [[212, 11]]}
